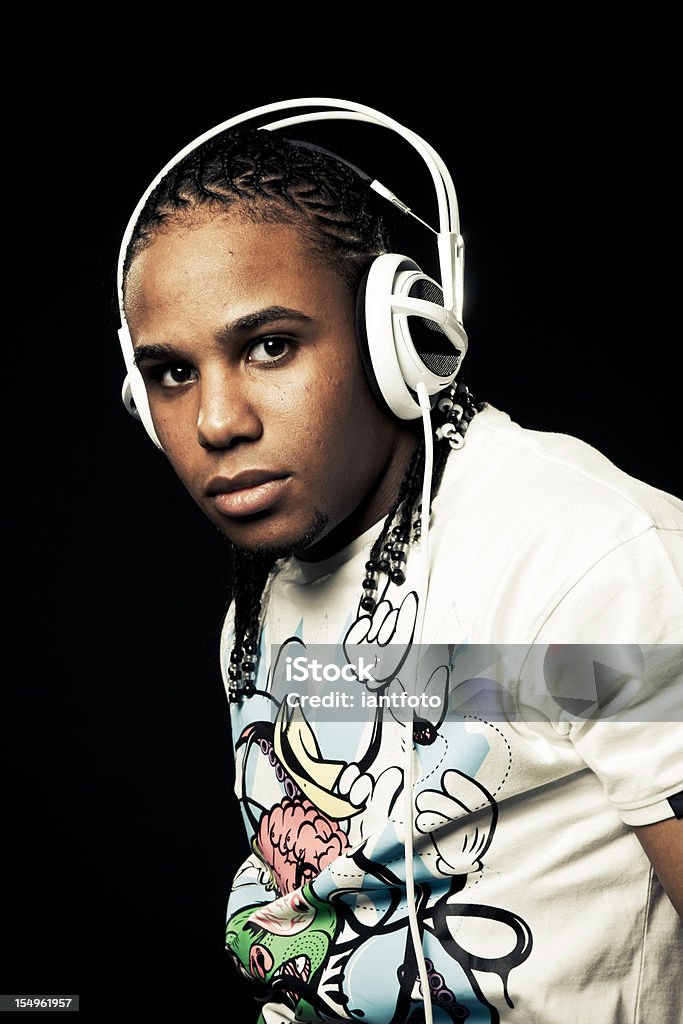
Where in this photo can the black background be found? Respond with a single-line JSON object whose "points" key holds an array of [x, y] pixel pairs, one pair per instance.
{"points": [[122, 833]]}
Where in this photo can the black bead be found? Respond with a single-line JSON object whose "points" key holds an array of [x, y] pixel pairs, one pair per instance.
{"points": [[249, 646], [236, 654], [370, 566], [398, 577], [383, 565], [247, 666], [399, 556], [369, 584], [248, 689], [368, 604]]}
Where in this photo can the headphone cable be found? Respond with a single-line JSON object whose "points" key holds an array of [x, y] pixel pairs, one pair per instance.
{"points": [[408, 777]]}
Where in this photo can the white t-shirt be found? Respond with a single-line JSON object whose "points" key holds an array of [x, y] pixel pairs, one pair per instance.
{"points": [[537, 902]]}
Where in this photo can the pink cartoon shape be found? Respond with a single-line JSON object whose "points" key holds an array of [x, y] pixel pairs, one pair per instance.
{"points": [[297, 842]]}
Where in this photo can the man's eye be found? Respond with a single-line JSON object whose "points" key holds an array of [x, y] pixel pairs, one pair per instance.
{"points": [[173, 375], [269, 350]]}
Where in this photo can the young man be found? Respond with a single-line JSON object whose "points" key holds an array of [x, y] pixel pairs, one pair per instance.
{"points": [[486, 852]]}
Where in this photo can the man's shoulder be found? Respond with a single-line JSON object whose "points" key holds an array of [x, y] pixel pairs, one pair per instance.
{"points": [[528, 518], [542, 477]]}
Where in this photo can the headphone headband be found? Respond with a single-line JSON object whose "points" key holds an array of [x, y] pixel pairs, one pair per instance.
{"points": [[449, 220]]}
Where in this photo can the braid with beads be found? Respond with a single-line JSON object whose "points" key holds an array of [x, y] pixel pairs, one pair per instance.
{"points": [[390, 550], [269, 179]]}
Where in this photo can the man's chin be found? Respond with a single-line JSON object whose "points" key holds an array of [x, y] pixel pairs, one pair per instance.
{"points": [[271, 551]]}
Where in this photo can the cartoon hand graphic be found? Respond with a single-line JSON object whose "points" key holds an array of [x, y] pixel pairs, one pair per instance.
{"points": [[383, 640], [376, 796], [467, 814]]}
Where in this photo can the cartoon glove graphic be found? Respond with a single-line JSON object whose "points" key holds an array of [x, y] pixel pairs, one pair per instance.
{"points": [[459, 819], [376, 797], [383, 639]]}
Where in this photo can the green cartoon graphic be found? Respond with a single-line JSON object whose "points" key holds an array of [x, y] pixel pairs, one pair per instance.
{"points": [[282, 944]]}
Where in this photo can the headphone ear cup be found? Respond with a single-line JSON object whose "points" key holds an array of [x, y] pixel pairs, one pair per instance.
{"points": [[363, 346], [127, 398], [133, 391], [382, 347], [405, 335]]}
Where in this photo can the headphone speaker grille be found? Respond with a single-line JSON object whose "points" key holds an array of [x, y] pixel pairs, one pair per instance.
{"points": [[432, 345]]}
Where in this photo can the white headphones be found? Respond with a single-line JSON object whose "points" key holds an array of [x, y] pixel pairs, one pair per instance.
{"points": [[409, 326]]}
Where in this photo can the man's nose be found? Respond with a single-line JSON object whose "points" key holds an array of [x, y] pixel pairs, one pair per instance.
{"points": [[226, 414]]}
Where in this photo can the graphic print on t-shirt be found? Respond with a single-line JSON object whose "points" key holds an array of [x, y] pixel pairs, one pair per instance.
{"points": [[318, 912]]}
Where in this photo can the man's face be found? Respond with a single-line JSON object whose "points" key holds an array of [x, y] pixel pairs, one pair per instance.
{"points": [[256, 389]]}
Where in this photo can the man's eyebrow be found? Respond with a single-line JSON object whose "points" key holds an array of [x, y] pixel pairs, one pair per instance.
{"points": [[248, 322], [143, 352], [261, 317]]}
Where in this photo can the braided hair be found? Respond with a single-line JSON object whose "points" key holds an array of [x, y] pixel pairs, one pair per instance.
{"points": [[271, 179]]}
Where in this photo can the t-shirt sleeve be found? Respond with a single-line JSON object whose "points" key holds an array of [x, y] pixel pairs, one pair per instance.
{"points": [[625, 616]]}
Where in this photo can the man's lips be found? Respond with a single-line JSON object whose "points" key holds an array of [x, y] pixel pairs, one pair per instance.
{"points": [[247, 493]]}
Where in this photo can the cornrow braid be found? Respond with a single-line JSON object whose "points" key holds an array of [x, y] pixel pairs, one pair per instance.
{"points": [[249, 574], [271, 179], [450, 419]]}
